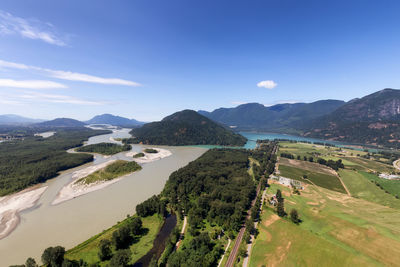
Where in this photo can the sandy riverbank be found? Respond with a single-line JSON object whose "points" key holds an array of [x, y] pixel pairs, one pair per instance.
{"points": [[11, 205], [150, 157], [73, 190]]}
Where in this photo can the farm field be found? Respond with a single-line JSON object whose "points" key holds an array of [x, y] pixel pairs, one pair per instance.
{"points": [[392, 186], [337, 230], [360, 187], [324, 180]]}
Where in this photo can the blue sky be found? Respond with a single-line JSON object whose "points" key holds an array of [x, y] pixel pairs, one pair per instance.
{"points": [[147, 59]]}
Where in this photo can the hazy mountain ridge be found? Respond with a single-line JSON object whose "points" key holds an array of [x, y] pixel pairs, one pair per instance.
{"points": [[114, 120], [373, 119], [12, 119], [61, 122], [255, 116]]}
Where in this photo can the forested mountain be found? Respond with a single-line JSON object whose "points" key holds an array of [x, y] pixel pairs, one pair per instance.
{"points": [[114, 120], [373, 119], [186, 127], [12, 119], [61, 122], [281, 117]]}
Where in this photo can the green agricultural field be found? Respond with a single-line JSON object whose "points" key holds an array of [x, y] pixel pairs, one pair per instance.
{"points": [[392, 186], [112, 171], [304, 149], [336, 230], [366, 164], [88, 250], [361, 187], [324, 180]]}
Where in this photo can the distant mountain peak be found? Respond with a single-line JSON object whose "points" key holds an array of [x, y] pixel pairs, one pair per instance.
{"points": [[114, 120], [186, 127], [62, 122], [13, 119]]}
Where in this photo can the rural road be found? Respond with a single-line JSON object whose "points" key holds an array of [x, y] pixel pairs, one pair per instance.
{"points": [[238, 241]]}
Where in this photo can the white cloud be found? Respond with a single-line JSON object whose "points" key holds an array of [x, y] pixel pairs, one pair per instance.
{"points": [[267, 84], [73, 76], [55, 98], [30, 84], [68, 75], [29, 28]]}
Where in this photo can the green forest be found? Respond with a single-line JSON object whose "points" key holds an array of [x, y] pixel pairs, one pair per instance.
{"points": [[214, 191], [104, 148], [185, 128], [35, 159]]}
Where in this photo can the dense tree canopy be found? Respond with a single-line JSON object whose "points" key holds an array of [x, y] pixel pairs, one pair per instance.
{"points": [[186, 128], [35, 159], [104, 148]]}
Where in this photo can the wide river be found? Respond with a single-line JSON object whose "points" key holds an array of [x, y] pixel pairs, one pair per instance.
{"points": [[76, 220]]}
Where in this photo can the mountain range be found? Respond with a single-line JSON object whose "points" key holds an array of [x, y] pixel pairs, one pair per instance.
{"points": [[373, 119], [281, 117], [11, 119]]}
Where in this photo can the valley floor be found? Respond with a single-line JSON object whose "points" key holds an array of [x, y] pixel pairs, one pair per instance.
{"points": [[356, 223]]}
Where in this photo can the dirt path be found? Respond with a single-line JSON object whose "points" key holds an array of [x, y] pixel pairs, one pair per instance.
{"points": [[396, 164], [182, 233], [223, 255], [345, 187]]}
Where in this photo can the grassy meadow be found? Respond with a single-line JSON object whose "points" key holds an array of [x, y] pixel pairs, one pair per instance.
{"points": [[88, 250], [337, 230]]}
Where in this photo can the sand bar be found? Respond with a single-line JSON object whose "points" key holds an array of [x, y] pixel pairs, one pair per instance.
{"points": [[73, 190], [11, 205], [150, 157]]}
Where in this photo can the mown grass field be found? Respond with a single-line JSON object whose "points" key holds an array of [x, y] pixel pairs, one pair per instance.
{"points": [[366, 164], [361, 187], [392, 186], [88, 250], [337, 230], [324, 180], [351, 158]]}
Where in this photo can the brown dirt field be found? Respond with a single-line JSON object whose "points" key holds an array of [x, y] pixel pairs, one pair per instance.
{"points": [[271, 220]]}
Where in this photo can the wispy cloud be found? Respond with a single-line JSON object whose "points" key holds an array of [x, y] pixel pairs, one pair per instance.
{"points": [[68, 75], [56, 98], [269, 84], [30, 84], [29, 28], [25, 97], [74, 76]]}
